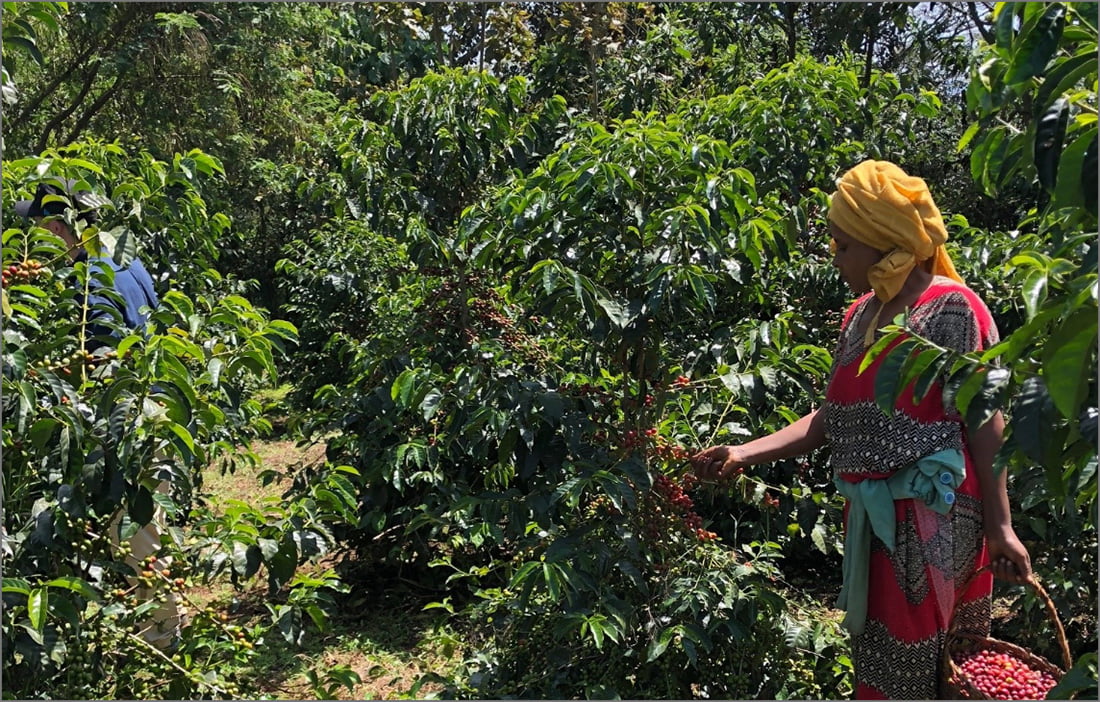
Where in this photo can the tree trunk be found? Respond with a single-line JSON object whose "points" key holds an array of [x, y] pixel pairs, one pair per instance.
{"points": [[55, 123], [481, 49], [437, 39], [875, 16], [92, 110], [592, 76], [972, 8], [97, 43], [789, 10]]}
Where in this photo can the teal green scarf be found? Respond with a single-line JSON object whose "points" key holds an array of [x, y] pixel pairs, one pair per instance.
{"points": [[932, 479]]}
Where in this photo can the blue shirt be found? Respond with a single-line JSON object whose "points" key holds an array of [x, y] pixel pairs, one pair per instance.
{"points": [[133, 284]]}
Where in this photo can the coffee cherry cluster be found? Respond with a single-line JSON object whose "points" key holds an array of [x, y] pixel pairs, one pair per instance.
{"points": [[585, 390], [67, 365], [466, 306], [627, 440], [611, 402], [665, 450], [674, 492], [601, 505], [657, 447], [489, 314], [673, 495], [631, 439], [24, 272], [86, 535], [630, 403], [1002, 676]]}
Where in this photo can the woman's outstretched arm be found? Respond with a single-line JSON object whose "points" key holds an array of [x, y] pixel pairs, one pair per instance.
{"points": [[796, 439]]}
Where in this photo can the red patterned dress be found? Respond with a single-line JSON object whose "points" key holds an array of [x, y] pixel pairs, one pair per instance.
{"points": [[913, 591]]}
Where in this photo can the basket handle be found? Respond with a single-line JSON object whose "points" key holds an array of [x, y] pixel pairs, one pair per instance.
{"points": [[1034, 583]]}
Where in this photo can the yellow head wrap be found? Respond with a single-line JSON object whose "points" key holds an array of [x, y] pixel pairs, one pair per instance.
{"points": [[878, 204]]}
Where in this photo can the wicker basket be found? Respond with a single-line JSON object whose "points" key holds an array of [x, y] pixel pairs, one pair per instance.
{"points": [[954, 683]]}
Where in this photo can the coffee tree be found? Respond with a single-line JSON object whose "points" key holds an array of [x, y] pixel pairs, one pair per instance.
{"points": [[562, 327], [93, 424]]}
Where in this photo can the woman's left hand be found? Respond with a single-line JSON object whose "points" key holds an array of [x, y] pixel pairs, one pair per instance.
{"points": [[1008, 557]]}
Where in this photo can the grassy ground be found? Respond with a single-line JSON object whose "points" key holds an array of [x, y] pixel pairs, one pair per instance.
{"points": [[388, 642]]}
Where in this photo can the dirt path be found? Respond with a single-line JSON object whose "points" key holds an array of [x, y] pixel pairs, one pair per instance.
{"points": [[388, 647]]}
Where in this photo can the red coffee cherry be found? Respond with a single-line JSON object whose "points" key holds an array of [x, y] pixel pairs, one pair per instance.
{"points": [[1002, 676]]}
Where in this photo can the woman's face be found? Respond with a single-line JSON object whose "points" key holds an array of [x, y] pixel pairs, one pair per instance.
{"points": [[853, 259], [57, 225]]}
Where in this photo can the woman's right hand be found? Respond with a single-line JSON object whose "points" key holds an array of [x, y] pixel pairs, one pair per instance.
{"points": [[718, 462]]}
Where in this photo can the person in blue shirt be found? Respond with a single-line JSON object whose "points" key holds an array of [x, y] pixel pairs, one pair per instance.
{"points": [[123, 306], [131, 295]]}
